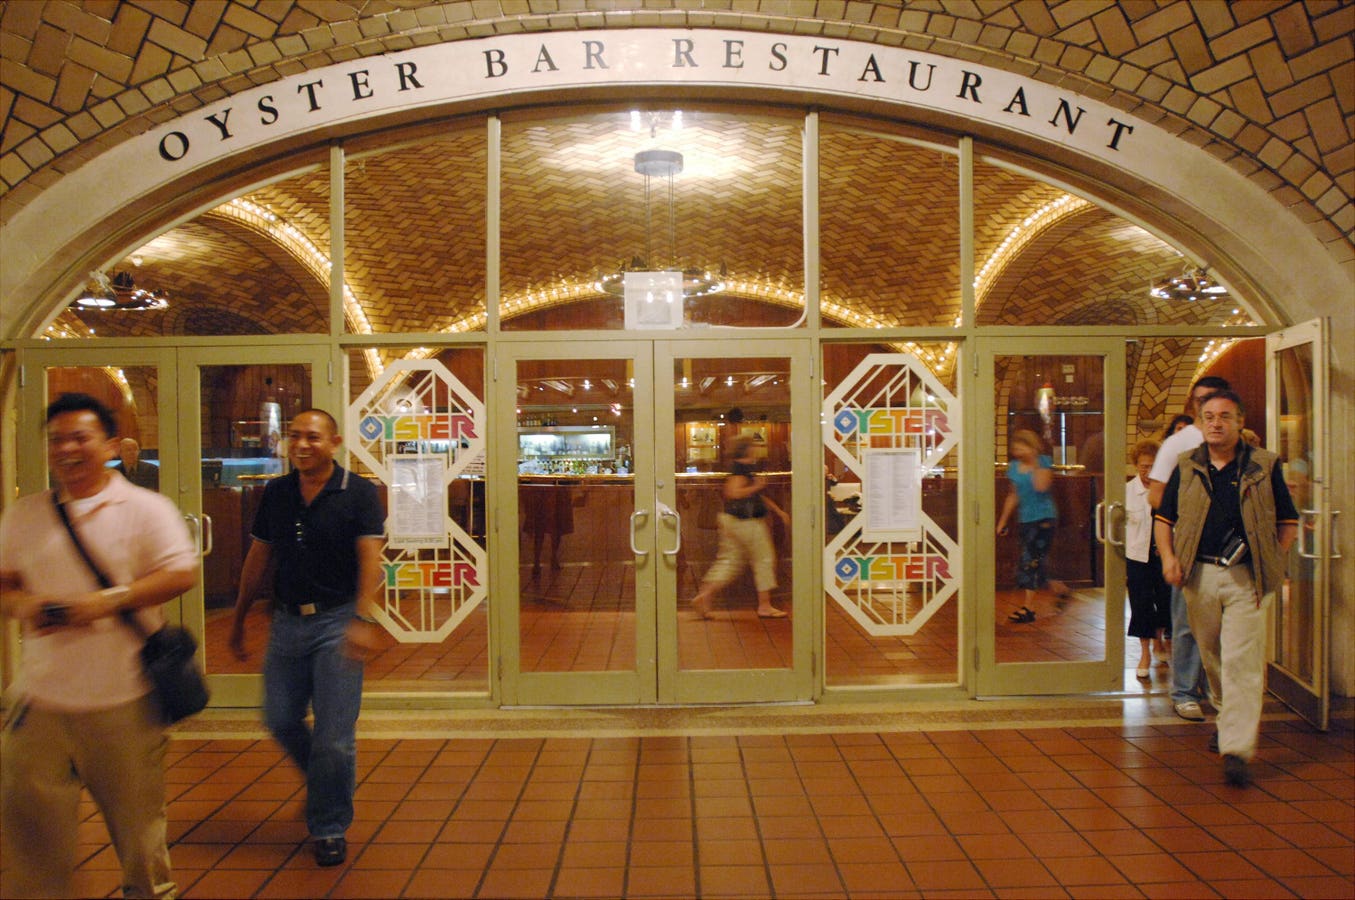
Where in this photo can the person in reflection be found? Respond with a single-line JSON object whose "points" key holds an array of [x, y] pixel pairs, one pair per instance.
{"points": [[1223, 531], [1149, 595], [82, 715], [744, 536], [321, 526], [1187, 673], [1031, 498], [133, 469]]}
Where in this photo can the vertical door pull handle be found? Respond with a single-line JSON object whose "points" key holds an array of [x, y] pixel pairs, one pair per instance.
{"points": [[634, 517], [667, 512]]}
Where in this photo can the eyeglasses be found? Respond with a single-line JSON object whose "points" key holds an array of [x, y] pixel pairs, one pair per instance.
{"points": [[1221, 418]]}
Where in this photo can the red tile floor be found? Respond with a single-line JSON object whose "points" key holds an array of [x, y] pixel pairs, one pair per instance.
{"points": [[1062, 797]]}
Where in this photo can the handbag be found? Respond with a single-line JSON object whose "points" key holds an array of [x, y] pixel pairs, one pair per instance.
{"points": [[168, 656]]}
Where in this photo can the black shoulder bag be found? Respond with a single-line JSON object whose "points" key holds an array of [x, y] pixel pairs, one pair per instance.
{"points": [[168, 656]]}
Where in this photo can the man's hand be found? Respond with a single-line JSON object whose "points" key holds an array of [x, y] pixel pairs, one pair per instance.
{"points": [[1171, 571], [364, 639]]}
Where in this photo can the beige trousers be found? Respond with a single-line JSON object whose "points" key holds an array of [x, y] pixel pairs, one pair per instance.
{"points": [[119, 755], [1230, 629]]}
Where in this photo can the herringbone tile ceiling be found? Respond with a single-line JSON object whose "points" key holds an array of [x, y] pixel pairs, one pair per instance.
{"points": [[573, 207]]}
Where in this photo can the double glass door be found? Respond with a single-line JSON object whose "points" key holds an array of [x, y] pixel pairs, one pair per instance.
{"points": [[619, 519], [204, 426]]}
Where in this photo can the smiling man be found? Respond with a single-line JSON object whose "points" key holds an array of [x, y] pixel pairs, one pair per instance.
{"points": [[1223, 531], [83, 714], [321, 526]]}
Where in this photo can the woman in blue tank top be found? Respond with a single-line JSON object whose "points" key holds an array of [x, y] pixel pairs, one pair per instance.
{"points": [[1031, 474]]}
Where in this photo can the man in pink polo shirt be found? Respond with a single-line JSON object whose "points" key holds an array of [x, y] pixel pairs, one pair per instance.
{"points": [[83, 714]]}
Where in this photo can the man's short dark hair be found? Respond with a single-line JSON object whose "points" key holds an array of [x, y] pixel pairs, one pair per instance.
{"points": [[84, 403], [1213, 382], [1227, 395], [333, 423]]}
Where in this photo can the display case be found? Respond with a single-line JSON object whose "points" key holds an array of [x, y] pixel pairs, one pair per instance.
{"points": [[550, 446]]}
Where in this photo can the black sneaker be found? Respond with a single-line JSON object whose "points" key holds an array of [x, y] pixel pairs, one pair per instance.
{"points": [[1236, 771], [331, 851]]}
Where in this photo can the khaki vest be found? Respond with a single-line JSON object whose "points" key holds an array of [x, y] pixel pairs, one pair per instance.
{"points": [[1258, 514]]}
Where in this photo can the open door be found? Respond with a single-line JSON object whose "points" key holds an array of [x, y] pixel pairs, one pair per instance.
{"points": [[1296, 408]]}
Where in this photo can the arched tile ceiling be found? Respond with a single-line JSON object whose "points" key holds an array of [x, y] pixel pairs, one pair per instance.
{"points": [[573, 208]]}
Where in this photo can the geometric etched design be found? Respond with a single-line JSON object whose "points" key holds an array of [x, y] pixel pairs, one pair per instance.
{"points": [[890, 401], [418, 412]]}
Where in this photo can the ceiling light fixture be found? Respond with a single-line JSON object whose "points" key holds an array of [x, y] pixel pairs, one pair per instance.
{"points": [[119, 294], [1192, 284], [696, 281]]}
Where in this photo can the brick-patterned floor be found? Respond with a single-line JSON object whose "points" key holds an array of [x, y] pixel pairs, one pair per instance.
{"points": [[1129, 808]]}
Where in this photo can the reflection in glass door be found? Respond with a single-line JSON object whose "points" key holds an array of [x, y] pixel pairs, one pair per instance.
{"points": [[622, 459], [1297, 426], [233, 418], [1058, 480]]}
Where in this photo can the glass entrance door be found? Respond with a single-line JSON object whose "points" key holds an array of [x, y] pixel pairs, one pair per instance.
{"points": [[1054, 616], [233, 409], [620, 519], [1297, 426]]}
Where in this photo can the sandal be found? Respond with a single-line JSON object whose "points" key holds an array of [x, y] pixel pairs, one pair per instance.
{"points": [[1022, 615]]}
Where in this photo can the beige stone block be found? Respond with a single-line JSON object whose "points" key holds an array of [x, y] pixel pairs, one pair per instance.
{"points": [[1292, 29], [184, 80], [30, 111], [176, 40], [113, 66], [1300, 95], [1330, 56], [1327, 126], [73, 87], [1151, 54], [1333, 25], [264, 54], [1228, 123], [1174, 17], [250, 22], [203, 19], [1218, 77], [1241, 39], [13, 170], [34, 152], [22, 19], [1035, 16], [129, 29], [152, 62], [22, 80], [1076, 59], [107, 113], [84, 126], [1275, 152], [1128, 78], [1270, 67], [1191, 51], [133, 102], [227, 39], [1101, 68], [71, 18], [1113, 29], [15, 133]]}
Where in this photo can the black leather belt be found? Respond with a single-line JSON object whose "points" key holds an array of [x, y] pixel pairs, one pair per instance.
{"points": [[305, 609], [1220, 561]]}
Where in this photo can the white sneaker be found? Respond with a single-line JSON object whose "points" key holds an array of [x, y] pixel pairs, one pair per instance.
{"points": [[1190, 711]]}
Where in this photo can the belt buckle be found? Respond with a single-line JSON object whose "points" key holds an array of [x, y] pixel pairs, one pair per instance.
{"points": [[307, 609]]}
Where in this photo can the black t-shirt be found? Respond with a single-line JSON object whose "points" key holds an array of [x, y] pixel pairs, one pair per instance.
{"points": [[315, 546]]}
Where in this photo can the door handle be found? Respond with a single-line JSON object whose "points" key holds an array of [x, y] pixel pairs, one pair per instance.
{"points": [[639, 513], [201, 529], [1306, 516], [1098, 521], [667, 512], [1316, 553], [1110, 509]]}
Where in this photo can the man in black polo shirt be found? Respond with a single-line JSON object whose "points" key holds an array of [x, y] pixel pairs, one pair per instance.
{"points": [[1223, 531], [322, 526]]}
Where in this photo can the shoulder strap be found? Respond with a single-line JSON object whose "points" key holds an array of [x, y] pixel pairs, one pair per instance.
{"points": [[104, 580]]}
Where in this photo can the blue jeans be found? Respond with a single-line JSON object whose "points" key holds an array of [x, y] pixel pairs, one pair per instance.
{"points": [[1186, 667], [305, 666]]}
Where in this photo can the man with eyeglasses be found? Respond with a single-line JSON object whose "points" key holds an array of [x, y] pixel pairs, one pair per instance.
{"points": [[322, 527], [1187, 673], [1223, 530]]}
